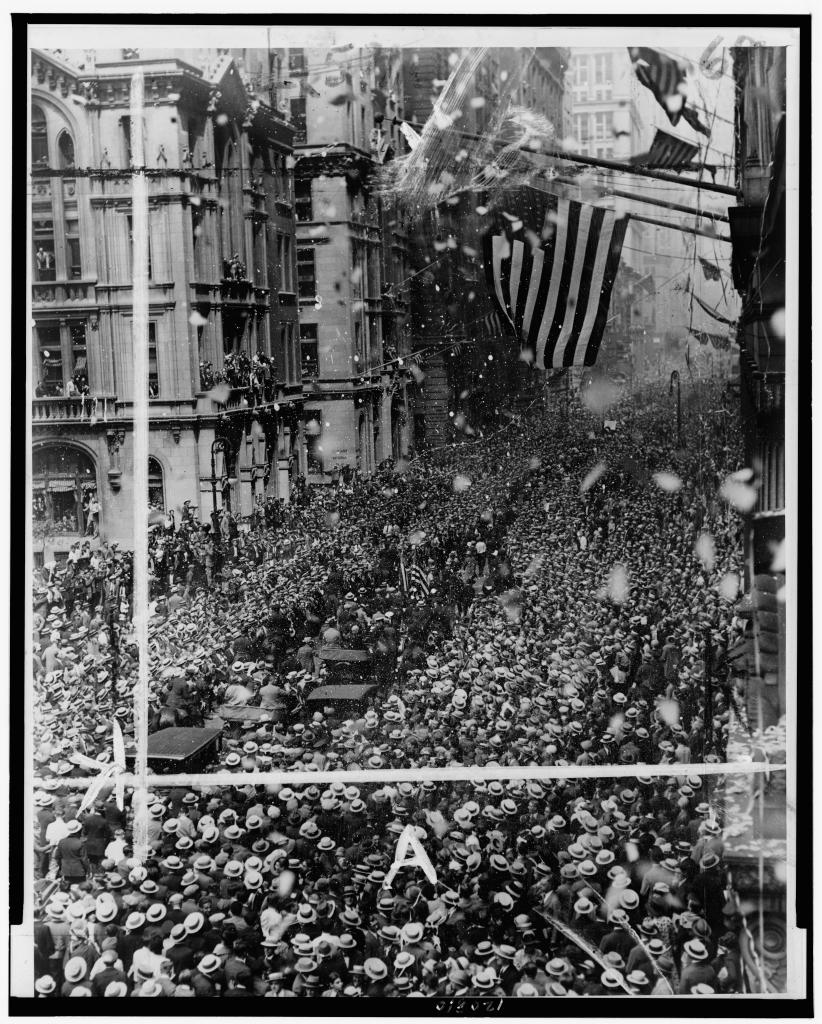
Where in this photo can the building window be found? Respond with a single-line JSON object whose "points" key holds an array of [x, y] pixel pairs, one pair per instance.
{"points": [[302, 199], [603, 73], [581, 78], [65, 147], [309, 351], [153, 377], [50, 355], [130, 221], [582, 128], [604, 126], [156, 490], [125, 140], [63, 482], [284, 263], [79, 352], [298, 120], [39, 138], [296, 60], [131, 54], [306, 272], [313, 431], [43, 243]]}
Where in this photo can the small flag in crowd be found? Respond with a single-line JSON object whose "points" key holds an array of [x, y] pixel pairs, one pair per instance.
{"points": [[712, 312], [418, 577], [710, 270], [669, 151], [666, 79], [556, 296]]}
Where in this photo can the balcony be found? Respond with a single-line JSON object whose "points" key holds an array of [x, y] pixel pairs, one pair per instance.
{"points": [[46, 294], [70, 410]]}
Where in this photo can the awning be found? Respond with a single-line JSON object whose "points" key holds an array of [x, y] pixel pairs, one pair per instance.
{"points": [[56, 483]]}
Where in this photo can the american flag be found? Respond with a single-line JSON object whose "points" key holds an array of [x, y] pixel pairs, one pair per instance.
{"points": [[647, 284], [556, 295], [419, 578], [493, 324], [666, 78], [669, 151]]}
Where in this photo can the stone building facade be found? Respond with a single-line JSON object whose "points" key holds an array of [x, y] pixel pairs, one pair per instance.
{"points": [[222, 289]]}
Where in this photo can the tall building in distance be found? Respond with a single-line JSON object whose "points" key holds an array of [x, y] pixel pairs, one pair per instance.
{"points": [[222, 288], [352, 260], [615, 117]]}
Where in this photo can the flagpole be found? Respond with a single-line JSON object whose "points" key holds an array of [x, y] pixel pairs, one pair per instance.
{"points": [[681, 227], [723, 217]]}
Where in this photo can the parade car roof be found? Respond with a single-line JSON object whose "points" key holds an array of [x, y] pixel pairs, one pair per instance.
{"points": [[341, 654], [179, 744], [351, 691]]}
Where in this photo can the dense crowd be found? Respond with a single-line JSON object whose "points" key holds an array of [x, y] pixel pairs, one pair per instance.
{"points": [[546, 596], [563, 888], [484, 581]]}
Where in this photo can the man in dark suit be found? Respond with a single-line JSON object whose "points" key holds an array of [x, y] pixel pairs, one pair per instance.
{"points": [[71, 854], [97, 834]]}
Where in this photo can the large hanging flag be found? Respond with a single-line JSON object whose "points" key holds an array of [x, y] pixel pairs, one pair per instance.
{"points": [[712, 312], [666, 78], [669, 151], [556, 294]]}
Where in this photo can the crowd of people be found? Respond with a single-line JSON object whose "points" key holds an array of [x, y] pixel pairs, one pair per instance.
{"points": [[565, 888], [517, 610], [555, 594]]}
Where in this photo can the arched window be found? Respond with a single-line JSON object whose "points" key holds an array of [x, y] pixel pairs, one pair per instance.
{"points": [[156, 487], [63, 482], [65, 146], [56, 246], [39, 138]]}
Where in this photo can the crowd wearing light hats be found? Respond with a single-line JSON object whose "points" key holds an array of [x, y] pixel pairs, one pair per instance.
{"points": [[553, 889], [525, 645], [561, 621]]}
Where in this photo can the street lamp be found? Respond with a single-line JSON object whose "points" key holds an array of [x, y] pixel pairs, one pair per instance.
{"points": [[675, 377], [220, 444]]}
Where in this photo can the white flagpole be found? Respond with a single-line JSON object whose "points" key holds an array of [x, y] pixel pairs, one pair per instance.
{"points": [[139, 209]]}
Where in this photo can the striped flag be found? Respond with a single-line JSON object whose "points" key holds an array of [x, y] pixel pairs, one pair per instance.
{"points": [[556, 295], [669, 151], [719, 341], [666, 79], [419, 578], [647, 284], [493, 324]]}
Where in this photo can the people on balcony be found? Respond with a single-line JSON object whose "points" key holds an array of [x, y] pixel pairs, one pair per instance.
{"points": [[256, 375]]}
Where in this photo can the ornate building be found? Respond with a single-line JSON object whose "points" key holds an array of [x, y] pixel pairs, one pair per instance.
{"points": [[352, 260], [222, 288]]}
